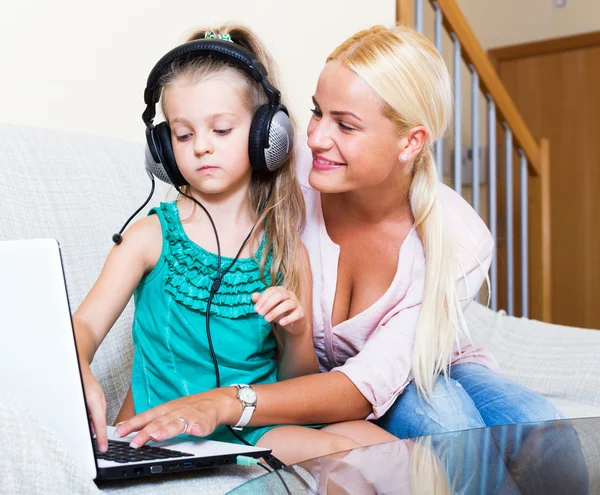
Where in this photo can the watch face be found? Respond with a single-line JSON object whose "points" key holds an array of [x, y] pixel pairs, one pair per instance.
{"points": [[247, 395]]}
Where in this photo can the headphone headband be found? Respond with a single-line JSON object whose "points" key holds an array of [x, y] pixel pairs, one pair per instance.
{"points": [[224, 50], [271, 133]]}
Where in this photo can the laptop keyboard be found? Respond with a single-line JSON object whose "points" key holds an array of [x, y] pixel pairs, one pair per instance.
{"points": [[122, 452]]}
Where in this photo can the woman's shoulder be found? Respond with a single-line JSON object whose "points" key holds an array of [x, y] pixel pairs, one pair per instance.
{"points": [[465, 226]]}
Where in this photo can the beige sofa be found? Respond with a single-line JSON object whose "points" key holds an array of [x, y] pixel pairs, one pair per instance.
{"points": [[80, 189]]}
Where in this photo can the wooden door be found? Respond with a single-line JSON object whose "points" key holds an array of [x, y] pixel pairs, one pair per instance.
{"points": [[556, 86]]}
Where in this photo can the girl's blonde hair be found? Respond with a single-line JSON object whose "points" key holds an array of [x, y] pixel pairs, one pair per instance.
{"points": [[284, 214], [407, 72]]}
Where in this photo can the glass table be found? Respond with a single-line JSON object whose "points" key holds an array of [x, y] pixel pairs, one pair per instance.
{"points": [[546, 458]]}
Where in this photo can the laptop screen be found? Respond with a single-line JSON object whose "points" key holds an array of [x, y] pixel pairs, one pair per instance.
{"points": [[38, 357]]}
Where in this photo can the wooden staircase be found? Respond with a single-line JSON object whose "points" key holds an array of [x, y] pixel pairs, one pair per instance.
{"points": [[516, 211]]}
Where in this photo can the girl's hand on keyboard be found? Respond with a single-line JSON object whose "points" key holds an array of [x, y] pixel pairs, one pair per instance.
{"points": [[96, 405]]}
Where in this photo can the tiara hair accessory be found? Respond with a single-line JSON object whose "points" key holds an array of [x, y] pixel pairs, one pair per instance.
{"points": [[215, 36]]}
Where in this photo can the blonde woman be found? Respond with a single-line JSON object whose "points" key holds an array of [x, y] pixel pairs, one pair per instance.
{"points": [[396, 257]]}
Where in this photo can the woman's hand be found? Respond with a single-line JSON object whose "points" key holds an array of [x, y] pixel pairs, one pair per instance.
{"points": [[282, 307], [197, 415], [96, 404]]}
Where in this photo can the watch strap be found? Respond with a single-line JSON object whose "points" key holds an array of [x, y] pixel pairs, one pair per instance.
{"points": [[247, 411], [245, 419]]}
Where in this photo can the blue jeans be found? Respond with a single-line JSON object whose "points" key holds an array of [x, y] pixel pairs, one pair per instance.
{"points": [[472, 397], [475, 397]]}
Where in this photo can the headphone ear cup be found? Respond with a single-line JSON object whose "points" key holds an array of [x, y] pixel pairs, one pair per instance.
{"points": [[271, 138], [281, 139], [153, 157], [256, 139], [162, 134]]}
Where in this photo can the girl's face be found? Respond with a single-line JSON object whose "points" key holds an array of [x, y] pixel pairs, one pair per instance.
{"points": [[210, 124], [354, 145]]}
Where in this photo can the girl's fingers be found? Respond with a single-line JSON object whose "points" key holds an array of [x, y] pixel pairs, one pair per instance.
{"points": [[281, 309], [99, 426], [258, 299], [293, 317], [270, 299]]}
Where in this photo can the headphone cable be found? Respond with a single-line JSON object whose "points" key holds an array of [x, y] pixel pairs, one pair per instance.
{"points": [[118, 238], [271, 460]]}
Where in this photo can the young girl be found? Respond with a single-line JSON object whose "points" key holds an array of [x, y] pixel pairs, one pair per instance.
{"points": [[168, 262]]}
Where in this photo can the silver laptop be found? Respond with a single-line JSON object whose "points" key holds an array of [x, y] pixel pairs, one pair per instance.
{"points": [[39, 366]]}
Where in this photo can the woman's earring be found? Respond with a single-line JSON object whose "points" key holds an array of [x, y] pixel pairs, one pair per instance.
{"points": [[403, 157]]}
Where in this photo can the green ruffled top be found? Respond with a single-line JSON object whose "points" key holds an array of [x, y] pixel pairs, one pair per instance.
{"points": [[171, 353], [192, 269]]}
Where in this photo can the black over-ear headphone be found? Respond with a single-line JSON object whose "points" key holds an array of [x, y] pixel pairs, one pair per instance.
{"points": [[271, 136]]}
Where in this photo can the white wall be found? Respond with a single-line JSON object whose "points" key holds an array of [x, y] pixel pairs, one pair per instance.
{"points": [[82, 65], [509, 22]]}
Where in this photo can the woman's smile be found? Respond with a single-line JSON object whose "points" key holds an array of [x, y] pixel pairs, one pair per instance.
{"points": [[321, 163]]}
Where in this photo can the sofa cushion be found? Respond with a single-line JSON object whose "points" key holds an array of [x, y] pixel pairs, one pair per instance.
{"points": [[556, 361], [36, 461], [78, 189], [573, 409]]}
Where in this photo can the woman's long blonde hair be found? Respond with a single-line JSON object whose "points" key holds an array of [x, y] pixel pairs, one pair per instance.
{"points": [[407, 72], [284, 215]]}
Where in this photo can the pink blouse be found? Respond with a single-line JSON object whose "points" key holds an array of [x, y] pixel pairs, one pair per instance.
{"points": [[374, 348]]}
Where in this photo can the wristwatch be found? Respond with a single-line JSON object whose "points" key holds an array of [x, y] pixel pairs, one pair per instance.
{"points": [[247, 397]]}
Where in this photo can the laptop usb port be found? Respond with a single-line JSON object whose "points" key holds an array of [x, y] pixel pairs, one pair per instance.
{"points": [[187, 464], [173, 467]]}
